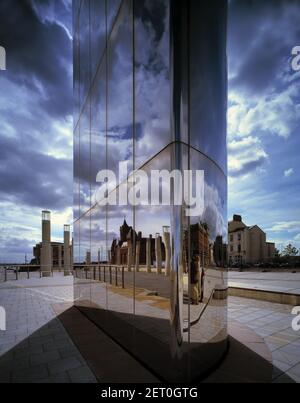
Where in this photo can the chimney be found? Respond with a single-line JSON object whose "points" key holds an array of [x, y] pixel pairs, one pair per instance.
{"points": [[237, 218]]}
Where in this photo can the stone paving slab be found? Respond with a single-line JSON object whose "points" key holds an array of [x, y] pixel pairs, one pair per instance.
{"points": [[277, 282], [273, 322]]}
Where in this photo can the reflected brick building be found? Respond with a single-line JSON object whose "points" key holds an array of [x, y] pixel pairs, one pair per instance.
{"points": [[126, 244]]}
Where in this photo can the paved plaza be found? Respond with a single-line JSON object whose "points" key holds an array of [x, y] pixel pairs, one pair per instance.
{"points": [[285, 282], [37, 348], [273, 322]]}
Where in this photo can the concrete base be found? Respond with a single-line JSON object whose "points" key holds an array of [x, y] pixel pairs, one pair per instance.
{"points": [[264, 295], [46, 274]]}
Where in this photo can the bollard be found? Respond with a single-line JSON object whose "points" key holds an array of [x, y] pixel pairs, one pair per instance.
{"points": [[5, 274], [99, 273], [123, 278], [27, 273], [17, 273], [116, 277], [110, 275], [104, 274], [94, 273]]}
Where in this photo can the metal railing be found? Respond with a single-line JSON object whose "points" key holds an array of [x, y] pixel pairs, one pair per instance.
{"points": [[15, 272], [112, 274]]}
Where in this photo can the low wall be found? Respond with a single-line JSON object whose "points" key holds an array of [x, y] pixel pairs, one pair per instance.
{"points": [[263, 295]]}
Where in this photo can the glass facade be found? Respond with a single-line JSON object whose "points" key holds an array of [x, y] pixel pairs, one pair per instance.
{"points": [[150, 89]]}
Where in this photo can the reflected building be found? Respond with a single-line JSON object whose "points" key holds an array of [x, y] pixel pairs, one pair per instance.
{"points": [[248, 244], [128, 242], [57, 254], [150, 88]]}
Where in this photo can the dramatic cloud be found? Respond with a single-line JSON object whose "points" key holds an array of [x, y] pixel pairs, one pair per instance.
{"points": [[289, 226], [264, 114], [289, 172], [245, 155]]}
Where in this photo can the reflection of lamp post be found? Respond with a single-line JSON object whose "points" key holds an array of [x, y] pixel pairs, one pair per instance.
{"points": [[67, 251], [148, 253], [59, 257], [167, 243], [158, 253], [88, 257], [137, 252], [129, 256]]}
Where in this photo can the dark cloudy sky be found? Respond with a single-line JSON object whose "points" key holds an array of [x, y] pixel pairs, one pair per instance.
{"points": [[264, 116], [36, 118], [35, 121]]}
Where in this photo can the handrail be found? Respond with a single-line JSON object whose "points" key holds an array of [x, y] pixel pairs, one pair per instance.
{"points": [[119, 269], [185, 330], [3, 265], [26, 269]]}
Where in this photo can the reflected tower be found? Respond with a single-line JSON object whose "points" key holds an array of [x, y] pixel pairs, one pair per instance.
{"points": [[46, 252], [150, 88]]}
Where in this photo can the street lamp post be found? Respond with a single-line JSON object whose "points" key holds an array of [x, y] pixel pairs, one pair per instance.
{"points": [[67, 254]]}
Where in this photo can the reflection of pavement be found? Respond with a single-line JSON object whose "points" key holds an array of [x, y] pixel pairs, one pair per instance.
{"points": [[269, 320], [155, 307], [280, 282], [273, 322], [160, 284], [35, 347]]}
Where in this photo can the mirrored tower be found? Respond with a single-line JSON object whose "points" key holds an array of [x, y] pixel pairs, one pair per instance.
{"points": [[150, 89]]}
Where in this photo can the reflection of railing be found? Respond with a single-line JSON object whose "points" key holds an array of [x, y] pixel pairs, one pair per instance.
{"points": [[194, 322], [115, 274]]}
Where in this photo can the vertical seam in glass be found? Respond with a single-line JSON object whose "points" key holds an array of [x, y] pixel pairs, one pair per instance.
{"points": [[106, 136], [79, 140], [133, 143], [90, 118], [90, 89], [189, 167]]}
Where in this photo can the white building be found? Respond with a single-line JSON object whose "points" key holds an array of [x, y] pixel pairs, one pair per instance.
{"points": [[248, 245]]}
